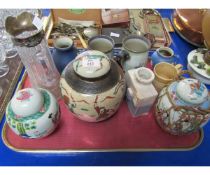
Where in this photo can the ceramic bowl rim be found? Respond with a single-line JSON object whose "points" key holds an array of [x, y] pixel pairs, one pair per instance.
{"points": [[147, 41], [71, 43], [104, 37], [165, 49], [96, 30]]}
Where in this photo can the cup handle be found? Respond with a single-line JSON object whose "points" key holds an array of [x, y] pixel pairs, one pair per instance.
{"points": [[184, 72], [178, 68], [121, 56]]}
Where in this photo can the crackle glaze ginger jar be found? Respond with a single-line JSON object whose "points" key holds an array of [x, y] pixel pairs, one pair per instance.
{"points": [[183, 107], [93, 86], [33, 113]]}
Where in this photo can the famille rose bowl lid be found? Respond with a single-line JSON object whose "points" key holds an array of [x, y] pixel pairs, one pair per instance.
{"points": [[92, 72], [188, 92], [27, 102], [91, 64]]}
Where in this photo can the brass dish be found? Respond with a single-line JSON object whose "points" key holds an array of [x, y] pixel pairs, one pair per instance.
{"points": [[206, 28], [188, 24]]}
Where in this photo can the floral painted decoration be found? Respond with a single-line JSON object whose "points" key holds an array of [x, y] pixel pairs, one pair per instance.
{"points": [[24, 95]]}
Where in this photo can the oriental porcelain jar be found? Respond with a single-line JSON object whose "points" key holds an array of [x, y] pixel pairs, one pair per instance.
{"points": [[183, 107], [93, 86], [32, 113]]}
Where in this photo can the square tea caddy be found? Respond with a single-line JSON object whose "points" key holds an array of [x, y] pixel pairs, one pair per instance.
{"points": [[141, 94]]}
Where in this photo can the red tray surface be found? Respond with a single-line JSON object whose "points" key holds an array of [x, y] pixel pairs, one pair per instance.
{"points": [[121, 131]]}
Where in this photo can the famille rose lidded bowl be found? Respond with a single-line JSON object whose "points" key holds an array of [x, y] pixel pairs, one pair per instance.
{"points": [[33, 113], [183, 107], [92, 86]]}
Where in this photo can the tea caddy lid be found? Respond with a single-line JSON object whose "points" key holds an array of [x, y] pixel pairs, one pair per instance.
{"points": [[192, 91], [27, 102], [91, 64]]}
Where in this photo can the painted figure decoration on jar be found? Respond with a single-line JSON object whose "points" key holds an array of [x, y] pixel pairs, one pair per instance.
{"points": [[183, 107], [93, 86]]}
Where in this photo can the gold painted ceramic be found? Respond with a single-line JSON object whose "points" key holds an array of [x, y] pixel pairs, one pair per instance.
{"points": [[165, 73]]}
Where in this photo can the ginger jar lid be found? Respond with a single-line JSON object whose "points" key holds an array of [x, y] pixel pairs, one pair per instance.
{"points": [[192, 91], [91, 64], [27, 102]]}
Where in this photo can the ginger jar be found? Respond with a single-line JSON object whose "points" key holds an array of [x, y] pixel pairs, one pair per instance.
{"points": [[183, 107], [33, 113], [93, 86]]}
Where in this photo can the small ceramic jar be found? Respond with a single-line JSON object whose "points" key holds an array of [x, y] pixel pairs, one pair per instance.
{"points": [[32, 113], [93, 86], [141, 94], [163, 54], [64, 52], [182, 107]]}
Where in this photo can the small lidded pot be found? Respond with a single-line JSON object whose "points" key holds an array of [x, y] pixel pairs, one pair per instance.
{"points": [[183, 107], [33, 113], [93, 86]]}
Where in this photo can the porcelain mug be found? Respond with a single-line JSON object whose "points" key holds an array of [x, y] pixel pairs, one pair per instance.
{"points": [[102, 43], [134, 52], [166, 73]]}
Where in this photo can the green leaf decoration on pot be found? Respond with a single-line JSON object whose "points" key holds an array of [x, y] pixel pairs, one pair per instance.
{"points": [[21, 130]]}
